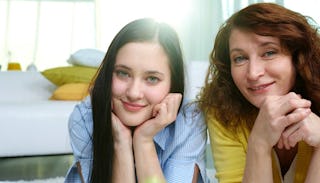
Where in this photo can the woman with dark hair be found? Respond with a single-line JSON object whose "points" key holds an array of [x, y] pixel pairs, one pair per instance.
{"points": [[262, 97], [134, 127]]}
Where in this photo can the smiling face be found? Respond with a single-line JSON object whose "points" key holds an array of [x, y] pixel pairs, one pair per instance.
{"points": [[141, 79], [259, 66]]}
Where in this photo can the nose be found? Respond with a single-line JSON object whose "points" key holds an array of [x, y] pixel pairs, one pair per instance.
{"points": [[134, 90], [255, 69]]}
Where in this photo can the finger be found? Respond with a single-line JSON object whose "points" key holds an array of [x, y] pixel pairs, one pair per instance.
{"points": [[280, 143], [294, 117], [292, 101], [173, 106], [295, 138], [291, 129], [155, 110], [172, 101]]}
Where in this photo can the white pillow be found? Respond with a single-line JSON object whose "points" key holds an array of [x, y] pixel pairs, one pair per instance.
{"points": [[87, 57]]}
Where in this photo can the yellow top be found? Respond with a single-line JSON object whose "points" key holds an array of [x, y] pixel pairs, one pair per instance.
{"points": [[229, 154]]}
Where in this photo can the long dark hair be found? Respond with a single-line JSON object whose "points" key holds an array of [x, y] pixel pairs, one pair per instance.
{"points": [[222, 98], [141, 30]]}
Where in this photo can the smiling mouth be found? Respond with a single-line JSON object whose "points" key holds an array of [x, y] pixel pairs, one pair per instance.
{"points": [[132, 107], [260, 87]]}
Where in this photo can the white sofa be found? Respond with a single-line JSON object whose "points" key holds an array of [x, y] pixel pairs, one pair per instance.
{"points": [[30, 123]]}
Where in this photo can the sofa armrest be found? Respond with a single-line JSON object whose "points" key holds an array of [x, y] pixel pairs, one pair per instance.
{"points": [[24, 86]]}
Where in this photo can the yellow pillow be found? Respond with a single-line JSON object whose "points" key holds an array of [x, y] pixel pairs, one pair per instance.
{"points": [[69, 74], [71, 91]]}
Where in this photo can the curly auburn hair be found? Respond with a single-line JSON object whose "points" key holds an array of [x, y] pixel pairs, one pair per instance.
{"points": [[221, 98]]}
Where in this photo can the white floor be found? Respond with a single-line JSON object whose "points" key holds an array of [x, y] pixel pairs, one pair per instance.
{"points": [[51, 180]]}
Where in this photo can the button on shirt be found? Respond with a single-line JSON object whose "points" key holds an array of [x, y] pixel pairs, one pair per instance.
{"points": [[180, 146]]}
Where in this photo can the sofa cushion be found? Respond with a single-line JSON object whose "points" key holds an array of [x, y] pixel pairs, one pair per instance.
{"points": [[71, 91], [70, 74], [24, 86]]}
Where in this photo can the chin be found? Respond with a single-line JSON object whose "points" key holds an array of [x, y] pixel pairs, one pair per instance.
{"points": [[133, 122], [257, 103]]}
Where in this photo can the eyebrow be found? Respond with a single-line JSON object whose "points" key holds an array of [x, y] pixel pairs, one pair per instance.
{"points": [[148, 72], [268, 43], [155, 72], [122, 66], [263, 44]]}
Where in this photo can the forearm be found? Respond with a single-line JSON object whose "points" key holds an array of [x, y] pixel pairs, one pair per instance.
{"points": [[314, 167], [147, 163], [258, 165], [123, 164]]}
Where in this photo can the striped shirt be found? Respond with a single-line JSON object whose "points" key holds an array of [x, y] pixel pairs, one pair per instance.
{"points": [[180, 146]]}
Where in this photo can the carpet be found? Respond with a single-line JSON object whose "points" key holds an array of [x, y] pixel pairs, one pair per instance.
{"points": [[50, 180]]}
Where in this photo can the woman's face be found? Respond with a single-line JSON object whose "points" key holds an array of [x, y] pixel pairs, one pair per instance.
{"points": [[259, 66], [141, 79]]}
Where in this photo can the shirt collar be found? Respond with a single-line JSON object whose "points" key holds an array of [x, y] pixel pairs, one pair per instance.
{"points": [[161, 138]]}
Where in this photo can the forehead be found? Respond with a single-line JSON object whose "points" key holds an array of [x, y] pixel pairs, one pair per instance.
{"points": [[147, 55], [243, 37]]}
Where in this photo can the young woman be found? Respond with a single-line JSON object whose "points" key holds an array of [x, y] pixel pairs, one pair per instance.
{"points": [[262, 97], [133, 127]]}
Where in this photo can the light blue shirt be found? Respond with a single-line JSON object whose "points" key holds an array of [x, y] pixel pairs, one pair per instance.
{"points": [[180, 146]]}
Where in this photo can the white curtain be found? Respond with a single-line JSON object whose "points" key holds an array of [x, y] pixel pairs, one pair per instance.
{"points": [[230, 7], [44, 32], [194, 20]]}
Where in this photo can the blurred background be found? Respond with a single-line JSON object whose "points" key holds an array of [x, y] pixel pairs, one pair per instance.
{"points": [[45, 32]]}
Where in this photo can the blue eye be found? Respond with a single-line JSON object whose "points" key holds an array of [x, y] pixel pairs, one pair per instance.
{"points": [[239, 59], [152, 80], [269, 53], [122, 74]]}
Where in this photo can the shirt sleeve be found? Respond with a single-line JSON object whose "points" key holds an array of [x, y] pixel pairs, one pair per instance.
{"points": [[80, 130], [229, 152], [191, 135]]}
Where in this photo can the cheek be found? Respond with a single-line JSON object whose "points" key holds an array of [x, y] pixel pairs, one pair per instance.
{"points": [[118, 87], [155, 96], [237, 77], [285, 72]]}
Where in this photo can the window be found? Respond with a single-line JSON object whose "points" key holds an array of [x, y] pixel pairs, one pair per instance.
{"points": [[44, 32], [306, 7]]}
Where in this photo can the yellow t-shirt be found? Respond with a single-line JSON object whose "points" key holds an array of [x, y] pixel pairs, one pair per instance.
{"points": [[229, 154]]}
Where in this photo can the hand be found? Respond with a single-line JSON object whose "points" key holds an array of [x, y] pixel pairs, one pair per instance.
{"points": [[277, 113], [164, 114], [121, 133], [307, 130]]}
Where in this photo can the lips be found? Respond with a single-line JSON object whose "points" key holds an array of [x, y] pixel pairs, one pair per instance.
{"points": [[132, 107], [260, 88]]}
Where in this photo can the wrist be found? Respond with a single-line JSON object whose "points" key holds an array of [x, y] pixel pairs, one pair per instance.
{"points": [[139, 141], [258, 147], [123, 145], [141, 138]]}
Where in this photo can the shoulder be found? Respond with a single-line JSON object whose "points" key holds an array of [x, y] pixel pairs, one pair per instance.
{"points": [[190, 117], [189, 125], [82, 109], [81, 117], [81, 129], [221, 135]]}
